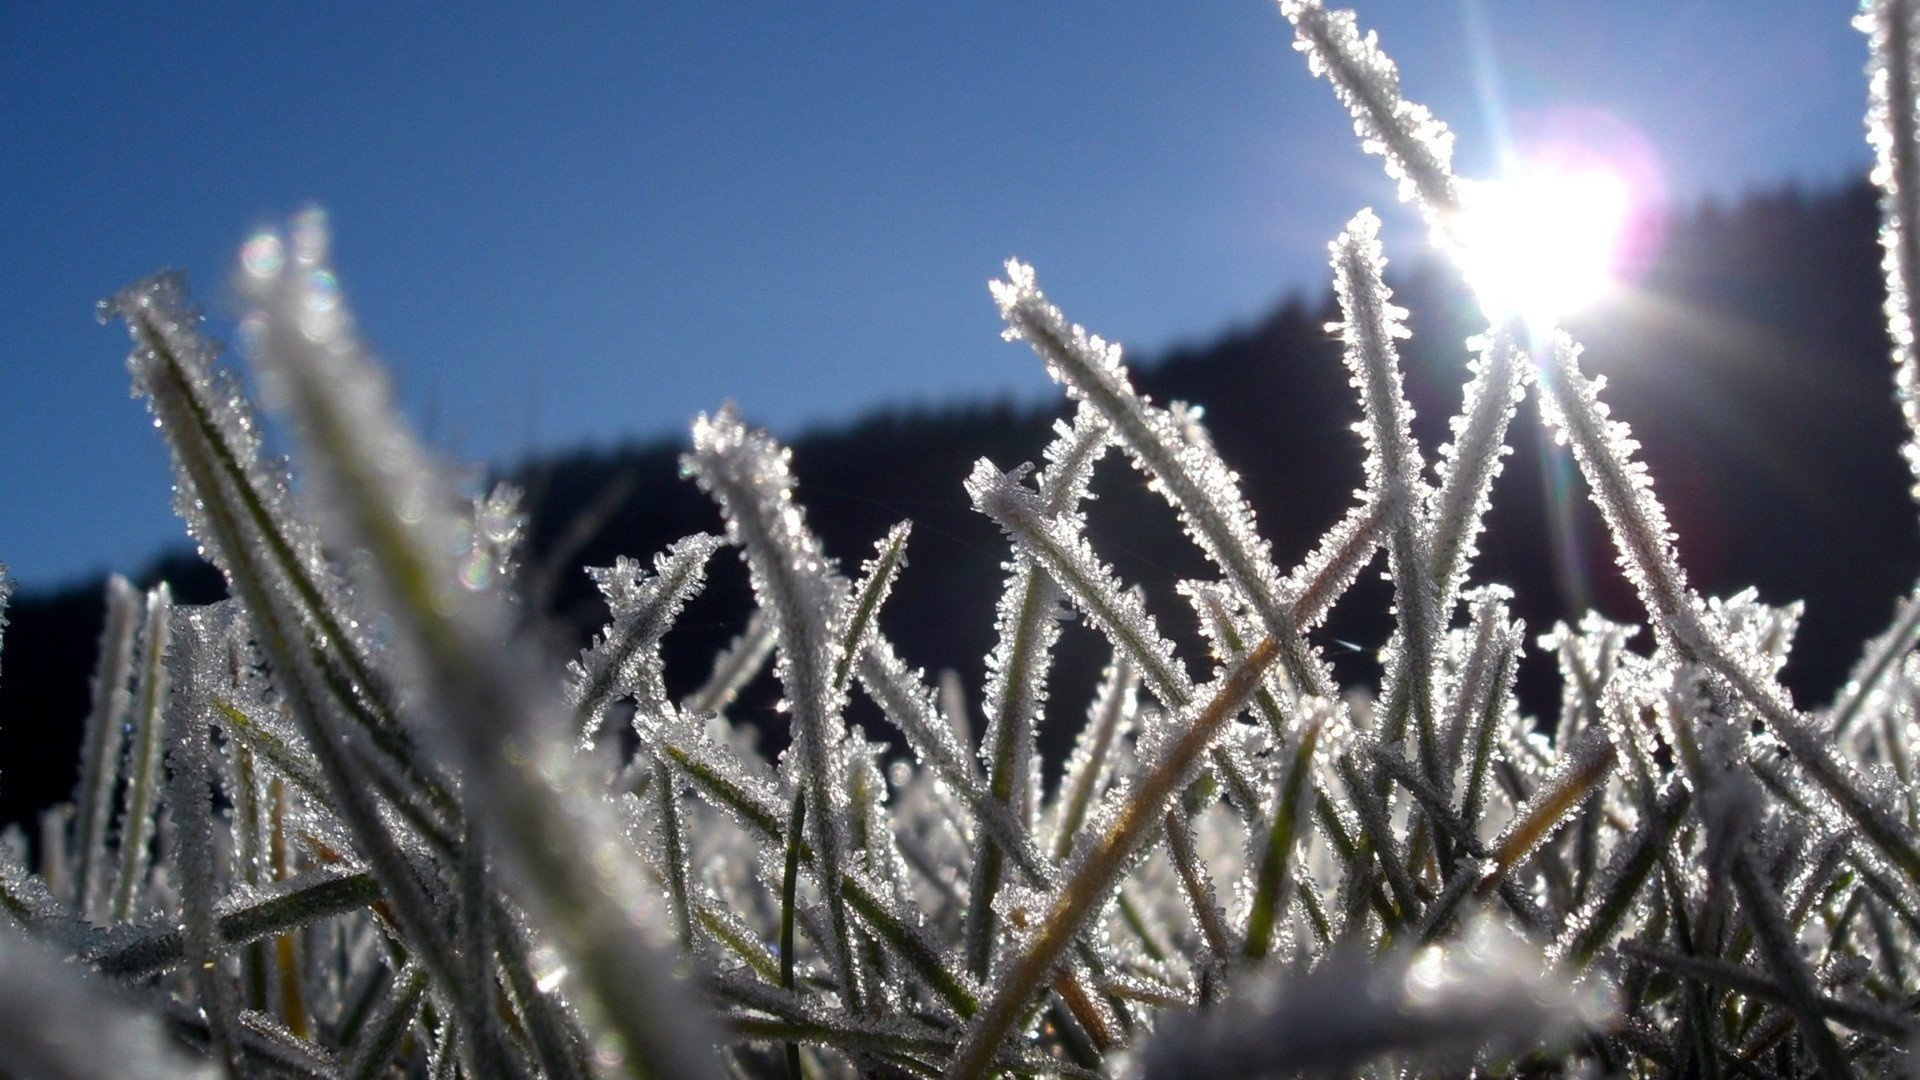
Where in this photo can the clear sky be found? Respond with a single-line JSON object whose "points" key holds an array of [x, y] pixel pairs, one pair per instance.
{"points": [[566, 223]]}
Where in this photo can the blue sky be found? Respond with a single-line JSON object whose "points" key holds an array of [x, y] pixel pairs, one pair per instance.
{"points": [[565, 224]]}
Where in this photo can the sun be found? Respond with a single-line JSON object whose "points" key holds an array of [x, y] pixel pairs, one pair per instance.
{"points": [[1543, 241]]}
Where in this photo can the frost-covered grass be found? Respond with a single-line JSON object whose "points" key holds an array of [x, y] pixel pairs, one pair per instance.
{"points": [[353, 823]]}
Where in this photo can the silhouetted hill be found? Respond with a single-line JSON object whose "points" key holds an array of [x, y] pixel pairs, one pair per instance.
{"points": [[1751, 364]]}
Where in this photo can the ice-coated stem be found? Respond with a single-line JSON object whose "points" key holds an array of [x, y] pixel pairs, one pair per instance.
{"points": [[475, 683], [1417, 147], [1017, 670], [1372, 323], [1893, 130], [643, 607], [102, 744], [1187, 473], [1098, 868], [748, 475], [1620, 487], [190, 792], [143, 769]]}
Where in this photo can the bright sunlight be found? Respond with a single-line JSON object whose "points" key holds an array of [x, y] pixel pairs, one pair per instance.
{"points": [[1543, 241]]}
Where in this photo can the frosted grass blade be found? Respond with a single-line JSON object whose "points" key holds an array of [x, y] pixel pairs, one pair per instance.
{"points": [[1620, 487], [1866, 689], [748, 474], [1273, 883], [734, 668], [1418, 148], [1017, 670], [214, 439], [859, 621], [1893, 130], [1330, 569], [267, 1046], [140, 950], [1755, 984], [1203, 902], [1487, 710], [102, 746], [190, 793], [1028, 619], [1090, 769], [756, 805], [1371, 325], [789, 884], [1056, 545], [1097, 869], [1187, 473], [299, 683], [6, 593], [1582, 767], [624, 660], [1376, 833], [137, 806], [28, 900], [1780, 946], [1069, 560], [367, 1058], [482, 1040], [1469, 463], [1633, 862], [454, 652]]}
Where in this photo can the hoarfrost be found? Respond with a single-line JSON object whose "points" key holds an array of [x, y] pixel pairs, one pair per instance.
{"points": [[624, 661], [1417, 147], [1893, 130], [954, 915]]}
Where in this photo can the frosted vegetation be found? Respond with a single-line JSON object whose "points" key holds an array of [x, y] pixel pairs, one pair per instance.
{"points": [[354, 822]]}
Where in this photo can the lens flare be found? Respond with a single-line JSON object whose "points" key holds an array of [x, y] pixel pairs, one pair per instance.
{"points": [[1543, 242]]}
